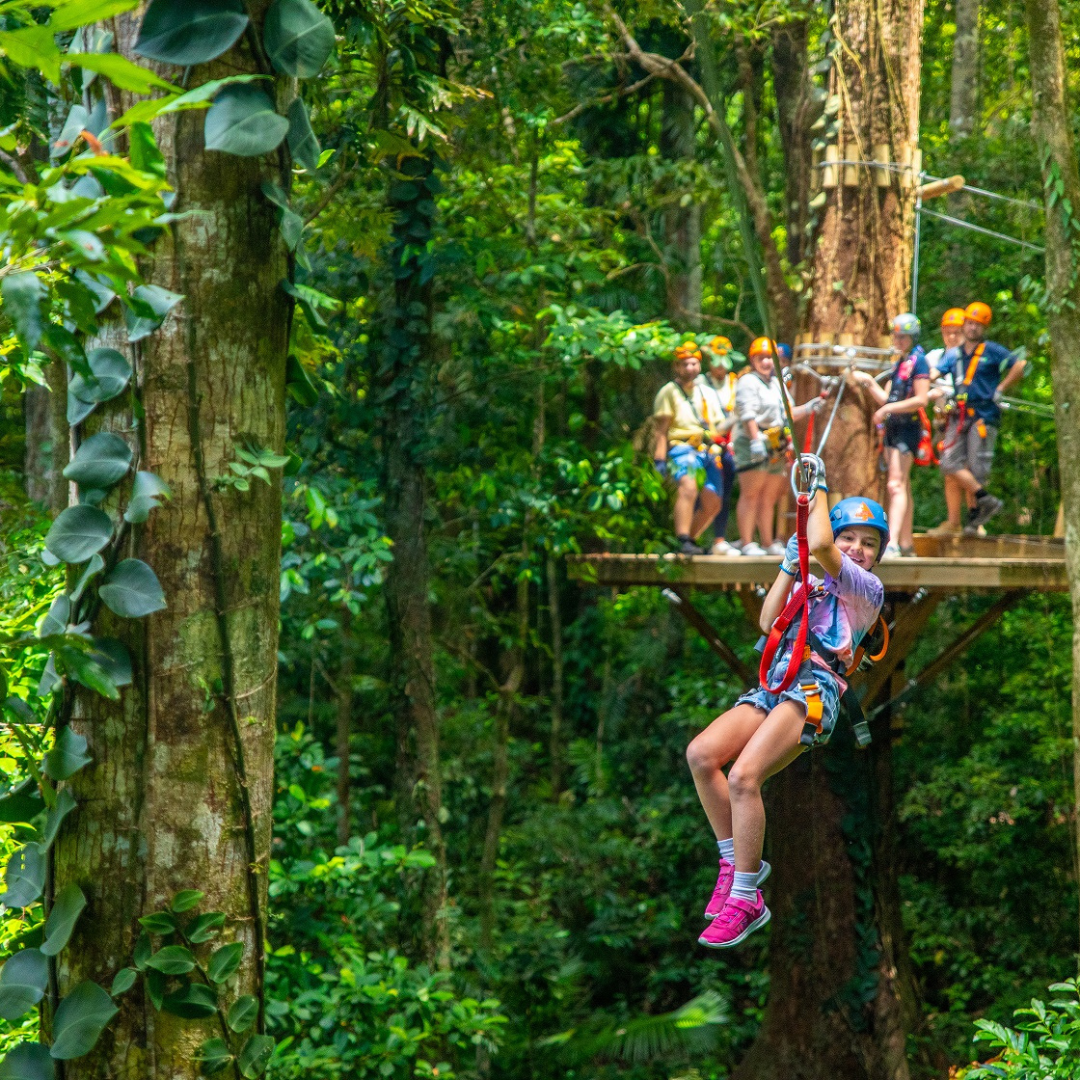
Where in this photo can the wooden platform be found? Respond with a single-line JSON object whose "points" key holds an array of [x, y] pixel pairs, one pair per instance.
{"points": [[963, 564]]}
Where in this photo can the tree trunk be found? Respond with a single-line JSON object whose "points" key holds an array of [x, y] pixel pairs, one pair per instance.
{"points": [[963, 99], [840, 1000], [344, 728], [682, 224], [1057, 154], [412, 672], [795, 113], [178, 795], [47, 440]]}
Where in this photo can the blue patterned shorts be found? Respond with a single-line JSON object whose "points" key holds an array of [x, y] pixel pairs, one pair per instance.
{"points": [[830, 701]]}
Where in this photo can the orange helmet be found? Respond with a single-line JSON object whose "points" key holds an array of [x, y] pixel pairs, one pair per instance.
{"points": [[721, 345], [979, 312], [762, 346], [687, 349], [955, 316]]}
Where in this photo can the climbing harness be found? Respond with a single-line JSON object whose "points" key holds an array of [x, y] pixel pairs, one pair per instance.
{"points": [[924, 452], [959, 406]]}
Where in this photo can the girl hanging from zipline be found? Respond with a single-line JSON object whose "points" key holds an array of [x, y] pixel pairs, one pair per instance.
{"points": [[813, 641]]}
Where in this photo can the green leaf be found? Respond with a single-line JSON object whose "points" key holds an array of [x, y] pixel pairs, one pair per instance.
{"points": [[28, 1061], [188, 32], [121, 72], [298, 37], [143, 950], [65, 803], [87, 672], [19, 808], [146, 310], [76, 13], [156, 985], [214, 1056], [57, 618], [242, 121], [256, 1056], [110, 374], [93, 568], [22, 296], [114, 659], [303, 145], [191, 1002], [144, 152], [160, 922], [33, 47], [103, 460], [225, 961], [299, 384], [243, 1012], [205, 927], [77, 119], [80, 1019], [23, 982], [67, 756], [172, 960], [146, 492], [78, 533], [24, 876], [186, 900], [66, 909], [132, 590], [123, 981]]}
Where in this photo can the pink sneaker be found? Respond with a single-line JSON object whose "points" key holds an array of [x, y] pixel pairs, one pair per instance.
{"points": [[735, 923], [723, 886]]}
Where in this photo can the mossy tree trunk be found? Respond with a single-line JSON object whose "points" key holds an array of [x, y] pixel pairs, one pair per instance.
{"points": [[1052, 122], [179, 792]]}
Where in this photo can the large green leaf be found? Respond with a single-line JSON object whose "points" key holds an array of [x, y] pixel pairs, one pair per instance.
{"points": [[225, 961], [298, 37], [172, 960], [80, 1019], [243, 1012], [146, 493], [75, 13], [78, 533], [66, 909], [192, 1002], [185, 900], [24, 876], [187, 32], [77, 120], [132, 590], [65, 803], [101, 461], [255, 1056], [303, 145], [121, 72], [21, 807], [23, 982], [146, 310], [86, 671], [67, 756], [110, 374], [22, 296], [90, 571], [205, 927], [28, 1061], [123, 982], [242, 121], [114, 659], [33, 47], [56, 620], [214, 1056]]}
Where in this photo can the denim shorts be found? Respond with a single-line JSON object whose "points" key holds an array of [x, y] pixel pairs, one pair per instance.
{"points": [[830, 701], [683, 459], [904, 435]]}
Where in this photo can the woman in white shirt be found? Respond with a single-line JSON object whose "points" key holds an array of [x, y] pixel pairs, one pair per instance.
{"points": [[761, 445]]}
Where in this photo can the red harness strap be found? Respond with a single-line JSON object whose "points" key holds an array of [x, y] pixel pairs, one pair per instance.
{"points": [[798, 602]]}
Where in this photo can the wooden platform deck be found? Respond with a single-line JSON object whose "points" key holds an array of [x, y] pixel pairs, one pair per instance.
{"points": [[963, 564]]}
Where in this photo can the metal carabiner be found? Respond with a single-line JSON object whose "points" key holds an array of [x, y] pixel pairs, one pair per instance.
{"points": [[807, 469]]}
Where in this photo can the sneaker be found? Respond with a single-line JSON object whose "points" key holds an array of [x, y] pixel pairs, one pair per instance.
{"points": [[723, 886], [722, 547], [946, 528], [735, 923], [688, 547], [907, 552], [987, 506], [892, 551], [776, 548], [753, 549]]}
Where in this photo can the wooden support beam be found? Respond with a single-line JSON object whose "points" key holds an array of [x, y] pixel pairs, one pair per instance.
{"points": [[910, 620], [682, 605]]}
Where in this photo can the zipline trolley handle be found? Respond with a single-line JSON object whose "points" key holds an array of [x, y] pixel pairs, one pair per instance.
{"points": [[805, 474]]}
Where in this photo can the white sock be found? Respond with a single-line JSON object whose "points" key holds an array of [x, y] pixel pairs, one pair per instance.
{"points": [[745, 887], [727, 849]]}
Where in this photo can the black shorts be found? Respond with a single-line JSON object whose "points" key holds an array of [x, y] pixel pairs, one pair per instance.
{"points": [[905, 435]]}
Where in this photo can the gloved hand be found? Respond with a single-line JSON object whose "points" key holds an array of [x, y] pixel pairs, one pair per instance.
{"points": [[660, 465], [997, 395], [790, 565], [814, 405], [758, 451]]}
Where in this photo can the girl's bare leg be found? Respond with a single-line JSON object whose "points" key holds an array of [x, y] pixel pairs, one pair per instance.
{"points": [[770, 502], [774, 746], [722, 741], [751, 486]]}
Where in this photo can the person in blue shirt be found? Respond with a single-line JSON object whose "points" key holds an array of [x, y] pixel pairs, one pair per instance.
{"points": [[899, 402], [981, 372]]}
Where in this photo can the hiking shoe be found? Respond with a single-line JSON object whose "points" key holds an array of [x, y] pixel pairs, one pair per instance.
{"points": [[907, 552], [892, 551], [723, 886], [986, 507], [753, 549], [946, 528], [722, 547], [688, 547], [735, 923], [776, 548]]}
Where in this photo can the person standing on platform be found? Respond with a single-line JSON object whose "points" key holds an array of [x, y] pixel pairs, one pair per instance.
{"points": [[899, 402], [761, 448], [723, 380], [686, 414], [952, 334], [981, 372]]}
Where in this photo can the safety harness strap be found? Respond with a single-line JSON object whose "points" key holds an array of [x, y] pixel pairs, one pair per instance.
{"points": [[798, 604]]}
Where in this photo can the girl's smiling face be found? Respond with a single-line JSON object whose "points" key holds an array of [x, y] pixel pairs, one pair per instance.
{"points": [[860, 544]]}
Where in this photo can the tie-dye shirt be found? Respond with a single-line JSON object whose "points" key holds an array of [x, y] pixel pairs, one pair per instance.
{"points": [[842, 612]]}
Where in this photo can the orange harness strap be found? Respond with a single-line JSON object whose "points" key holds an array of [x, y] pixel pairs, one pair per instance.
{"points": [[798, 603]]}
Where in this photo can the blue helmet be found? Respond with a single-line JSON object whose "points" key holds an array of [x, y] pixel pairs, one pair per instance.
{"points": [[859, 511], [784, 352]]}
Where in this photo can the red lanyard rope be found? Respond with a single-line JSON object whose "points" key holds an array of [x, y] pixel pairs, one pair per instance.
{"points": [[798, 601]]}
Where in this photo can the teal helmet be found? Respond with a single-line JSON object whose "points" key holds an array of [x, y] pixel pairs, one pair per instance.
{"points": [[907, 324], [859, 511]]}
